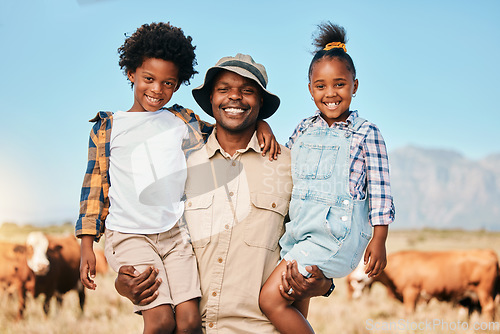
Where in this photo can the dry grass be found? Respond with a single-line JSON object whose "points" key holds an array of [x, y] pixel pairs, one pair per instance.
{"points": [[106, 312]]}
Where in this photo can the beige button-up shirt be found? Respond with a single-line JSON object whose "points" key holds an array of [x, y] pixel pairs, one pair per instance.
{"points": [[235, 211]]}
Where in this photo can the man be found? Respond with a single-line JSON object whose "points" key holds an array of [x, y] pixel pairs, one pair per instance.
{"points": [[236, 203]]}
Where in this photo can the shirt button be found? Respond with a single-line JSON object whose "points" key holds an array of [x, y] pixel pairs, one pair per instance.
{"points": [[231, 193], [273, 205], [190, 204], [233, 163], [211, 325], [344, 218], [220, 260], [226, 227], [214, 293]]}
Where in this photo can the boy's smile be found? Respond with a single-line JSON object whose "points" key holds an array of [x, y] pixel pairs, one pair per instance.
{"points": [[332, 86], [155, 81]]}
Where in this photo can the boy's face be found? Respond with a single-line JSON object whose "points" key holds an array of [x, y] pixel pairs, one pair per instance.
{"points": [[155, 81]]}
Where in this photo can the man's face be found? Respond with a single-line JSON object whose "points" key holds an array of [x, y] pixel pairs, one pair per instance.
{"points": [[236, 102]]}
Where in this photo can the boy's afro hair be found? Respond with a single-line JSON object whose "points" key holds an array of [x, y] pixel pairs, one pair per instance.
{"points": [[162, 41]]}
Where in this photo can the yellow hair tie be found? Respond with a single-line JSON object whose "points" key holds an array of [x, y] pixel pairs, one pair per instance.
{"points": [[335, 45]]}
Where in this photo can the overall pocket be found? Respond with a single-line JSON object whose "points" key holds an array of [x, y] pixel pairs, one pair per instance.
{"points": [[337, 223], [314, 161], [198, 213]]}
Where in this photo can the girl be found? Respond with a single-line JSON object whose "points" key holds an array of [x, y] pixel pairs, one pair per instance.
{"points": [[341, 186]]}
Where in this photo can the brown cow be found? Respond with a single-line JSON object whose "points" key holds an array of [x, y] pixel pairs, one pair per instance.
{"points": [[15, 276], [457, 276], [55, 262]]}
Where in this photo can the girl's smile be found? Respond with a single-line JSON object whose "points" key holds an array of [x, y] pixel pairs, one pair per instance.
{"points": [[332, 86]]}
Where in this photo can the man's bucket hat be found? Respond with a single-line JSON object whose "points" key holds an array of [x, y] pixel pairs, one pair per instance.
{"points": [[245, 66]]}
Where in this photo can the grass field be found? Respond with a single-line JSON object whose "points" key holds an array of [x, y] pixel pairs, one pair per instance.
{"points": [[107, 312]]}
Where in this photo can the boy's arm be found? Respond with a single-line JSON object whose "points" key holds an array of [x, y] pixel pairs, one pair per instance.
{"points": [[92, 195], [87, 262], [375, 254]]}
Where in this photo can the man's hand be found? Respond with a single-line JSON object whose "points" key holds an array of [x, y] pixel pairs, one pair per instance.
{"points": [[140, 288], [316, 285]]}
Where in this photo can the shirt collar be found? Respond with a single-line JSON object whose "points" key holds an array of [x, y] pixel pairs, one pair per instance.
{"points": [[350, 119], [212, 145]]}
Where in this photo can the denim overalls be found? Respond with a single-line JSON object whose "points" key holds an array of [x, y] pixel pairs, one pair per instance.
{"points": [[327, 227]]}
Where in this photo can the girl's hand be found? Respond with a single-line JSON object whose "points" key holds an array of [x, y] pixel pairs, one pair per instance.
{"points": [[267, 141], [375, 254]]}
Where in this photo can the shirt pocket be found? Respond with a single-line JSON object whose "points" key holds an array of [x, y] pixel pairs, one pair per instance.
{"points": [[198, 213], [265, 225], [314, 161]]}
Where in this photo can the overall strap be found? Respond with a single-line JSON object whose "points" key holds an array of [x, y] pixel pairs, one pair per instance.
{"points": [[356, 125], [308, 122]]}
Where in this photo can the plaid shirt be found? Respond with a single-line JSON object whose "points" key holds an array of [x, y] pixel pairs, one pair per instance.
{"points": [[94, 201], [369, 164]]}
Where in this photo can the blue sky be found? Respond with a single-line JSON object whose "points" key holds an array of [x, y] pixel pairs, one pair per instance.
{"points": [[428, 73]]}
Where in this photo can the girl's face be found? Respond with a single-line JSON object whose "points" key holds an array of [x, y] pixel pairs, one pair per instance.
{"points": [[155, 81], [331, 86]]}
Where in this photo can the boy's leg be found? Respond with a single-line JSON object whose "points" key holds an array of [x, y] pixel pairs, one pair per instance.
{"points": [[285, 317], [139, 251], [159, 319], [187, 317], [182, 273]]}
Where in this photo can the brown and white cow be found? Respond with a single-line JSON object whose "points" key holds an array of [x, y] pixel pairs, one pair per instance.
{"points": [[55, 262], [456, 276], [15, 276]]}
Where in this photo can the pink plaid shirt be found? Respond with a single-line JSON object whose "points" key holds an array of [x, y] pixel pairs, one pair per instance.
{"points": [[369, 166]]}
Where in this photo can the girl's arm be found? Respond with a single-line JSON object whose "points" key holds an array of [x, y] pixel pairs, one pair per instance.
{"points": [[375, 254], [267, 141]]}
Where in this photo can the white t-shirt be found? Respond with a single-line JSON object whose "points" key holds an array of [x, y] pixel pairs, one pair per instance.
{"points": [[147, 170]]}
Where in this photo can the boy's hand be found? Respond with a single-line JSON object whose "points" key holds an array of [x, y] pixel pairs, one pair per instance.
{"points": [[267, 141], [87, 262]]}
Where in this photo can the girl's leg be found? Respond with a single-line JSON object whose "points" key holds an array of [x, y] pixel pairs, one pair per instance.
{"points": [[286, 318], [302, 306], [187, 317], [159, 319]]}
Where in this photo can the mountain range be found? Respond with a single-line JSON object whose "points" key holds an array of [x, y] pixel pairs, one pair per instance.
{"points": [[442, 189]]}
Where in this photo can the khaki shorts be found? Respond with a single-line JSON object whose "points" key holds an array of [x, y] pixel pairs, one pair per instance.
{"points": [[169, 252]]}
